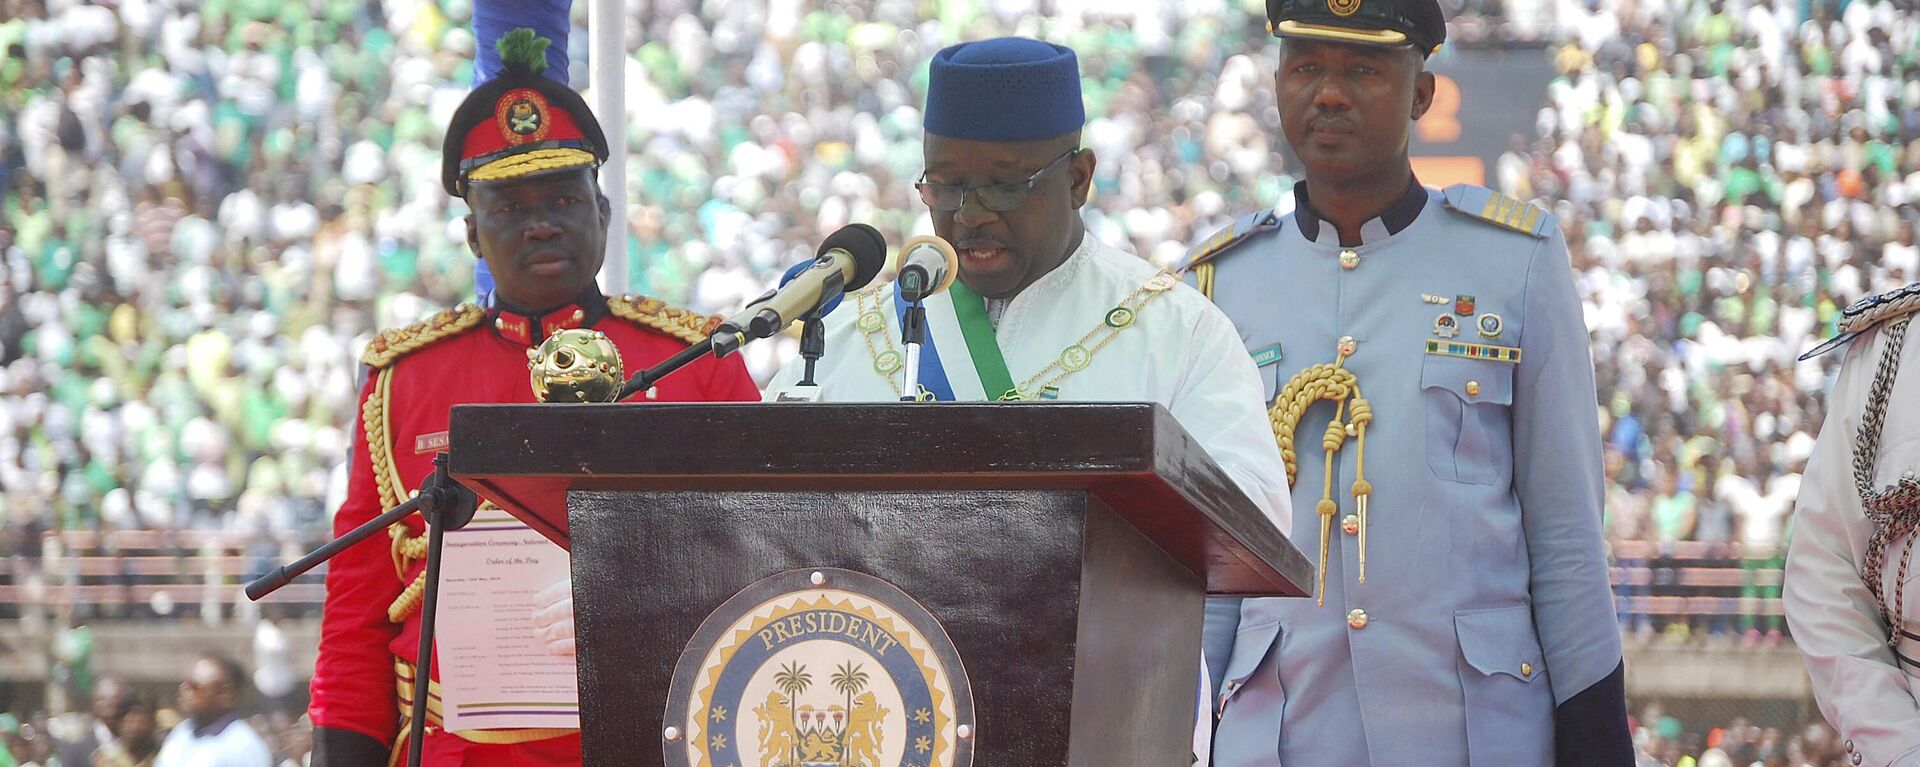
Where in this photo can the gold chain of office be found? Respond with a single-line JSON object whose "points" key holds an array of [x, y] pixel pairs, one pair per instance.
{"points": [[1076, 357]]}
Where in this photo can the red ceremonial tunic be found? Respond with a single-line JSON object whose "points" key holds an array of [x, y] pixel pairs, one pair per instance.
{"points": [[416, 375]]}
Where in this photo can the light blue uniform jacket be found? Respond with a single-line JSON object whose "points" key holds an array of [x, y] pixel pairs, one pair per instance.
{"points": [[1486, 600]]}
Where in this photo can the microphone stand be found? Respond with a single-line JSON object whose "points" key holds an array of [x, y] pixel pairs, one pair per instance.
{"points": [[446, 505], [813, 346], [728, 339], [813, 343], [913, 333]]}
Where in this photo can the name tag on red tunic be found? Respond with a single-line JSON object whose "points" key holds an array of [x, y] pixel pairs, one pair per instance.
{"points": [[428, 443]]}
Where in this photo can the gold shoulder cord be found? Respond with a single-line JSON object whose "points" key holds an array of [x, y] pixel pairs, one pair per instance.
{"points": [[408, 548], [1334, 383], [1894, 510], [381, 354]]}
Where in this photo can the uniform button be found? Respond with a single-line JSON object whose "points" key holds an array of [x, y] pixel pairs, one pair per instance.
{"points": [[579, 315], [1349, 259], [1348, 346], [1849, 745], [1231, 686], [1856, 757], [1473, 388], [1350, 524], [1526, 669], [500, 323], [1357, 619]]}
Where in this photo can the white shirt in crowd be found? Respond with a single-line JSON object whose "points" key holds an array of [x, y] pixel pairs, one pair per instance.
{"points": [[226, 742]]}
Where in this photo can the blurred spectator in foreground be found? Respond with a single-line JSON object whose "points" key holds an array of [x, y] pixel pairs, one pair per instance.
{"points": [[211, 736], [80, 735], [135, 741]]}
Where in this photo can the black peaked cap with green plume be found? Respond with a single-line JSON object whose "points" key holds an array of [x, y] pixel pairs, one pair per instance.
{"points": [[519, 124]]}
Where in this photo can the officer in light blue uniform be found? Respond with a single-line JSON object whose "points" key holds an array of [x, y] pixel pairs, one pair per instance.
{"points": [[1432, 391]]}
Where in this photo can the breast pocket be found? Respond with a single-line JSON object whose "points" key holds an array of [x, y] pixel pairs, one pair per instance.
{"points": [[1467, 409]]}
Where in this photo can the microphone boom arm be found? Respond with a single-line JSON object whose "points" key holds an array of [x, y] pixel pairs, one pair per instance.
{"points": [[718, 346]]}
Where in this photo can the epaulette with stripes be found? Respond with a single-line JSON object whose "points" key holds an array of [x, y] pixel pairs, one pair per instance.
{"points": [[1500, 210], [1241, 230], [1200, 259], [1867, 312], [394, 343], [654, 314]]}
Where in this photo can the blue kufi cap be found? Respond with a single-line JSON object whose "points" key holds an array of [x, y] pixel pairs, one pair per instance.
{"points": [[1004, 89]]}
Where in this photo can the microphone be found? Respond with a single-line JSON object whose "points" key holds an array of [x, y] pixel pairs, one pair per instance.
{"points": [[928, 265], [848, 260], [795, 271]]}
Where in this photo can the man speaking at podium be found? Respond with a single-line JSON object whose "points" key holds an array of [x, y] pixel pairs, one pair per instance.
{"points": [[1041, 310], [522, 150]]}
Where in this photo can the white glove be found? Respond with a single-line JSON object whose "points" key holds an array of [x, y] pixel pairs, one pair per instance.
{"points": [[553, 617]]}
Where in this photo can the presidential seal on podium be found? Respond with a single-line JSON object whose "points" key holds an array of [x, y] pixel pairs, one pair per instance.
{"points": [[820, 668]]}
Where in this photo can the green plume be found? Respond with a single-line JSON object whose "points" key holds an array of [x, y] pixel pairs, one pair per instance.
{"points": [[523, 49]]}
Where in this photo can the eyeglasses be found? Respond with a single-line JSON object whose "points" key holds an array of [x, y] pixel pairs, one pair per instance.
{"points": [[998, 198]]}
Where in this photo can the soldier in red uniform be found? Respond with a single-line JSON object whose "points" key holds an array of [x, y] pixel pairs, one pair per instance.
{"points": [[522, 150]]}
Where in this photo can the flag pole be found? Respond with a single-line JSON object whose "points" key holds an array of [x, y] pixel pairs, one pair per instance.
{"points": [[606, 67]]}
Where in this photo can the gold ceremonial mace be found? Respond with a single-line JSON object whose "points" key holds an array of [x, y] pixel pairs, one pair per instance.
{"points": [[576, 365]]}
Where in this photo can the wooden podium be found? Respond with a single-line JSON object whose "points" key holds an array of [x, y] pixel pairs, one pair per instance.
{"points": [[1064, 549]]}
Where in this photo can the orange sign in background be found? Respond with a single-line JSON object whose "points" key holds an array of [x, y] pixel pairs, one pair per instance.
{"points": [[1481, 99]]}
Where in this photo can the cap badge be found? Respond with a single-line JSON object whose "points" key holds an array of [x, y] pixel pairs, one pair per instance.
{"points": [[1343, 8], [522, 115]]}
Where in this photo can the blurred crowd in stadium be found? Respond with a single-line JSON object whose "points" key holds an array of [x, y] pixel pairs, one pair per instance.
{"points": [[206, 208], [1661, 740]]}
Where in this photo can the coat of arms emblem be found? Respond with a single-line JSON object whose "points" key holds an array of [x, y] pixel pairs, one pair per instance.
{"points": [[824, 668], [817, 734]]}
